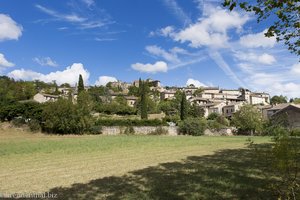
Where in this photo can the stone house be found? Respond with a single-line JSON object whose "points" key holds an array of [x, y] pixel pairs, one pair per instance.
{"points": [[168, 94], [288, 116], [229, 109], [131, 100]]}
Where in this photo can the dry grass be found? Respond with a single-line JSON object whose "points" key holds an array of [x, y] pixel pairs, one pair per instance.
{"points": [[39, 163]]}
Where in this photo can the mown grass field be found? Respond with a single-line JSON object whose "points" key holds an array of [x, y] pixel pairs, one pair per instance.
{"points": [[130, 167]]}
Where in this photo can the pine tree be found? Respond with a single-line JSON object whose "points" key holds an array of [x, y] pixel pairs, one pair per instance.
{"points": [[80, 87], [183, 107]]}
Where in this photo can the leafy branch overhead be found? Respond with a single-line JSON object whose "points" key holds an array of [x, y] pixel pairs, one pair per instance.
{"points": [[285, 13]]}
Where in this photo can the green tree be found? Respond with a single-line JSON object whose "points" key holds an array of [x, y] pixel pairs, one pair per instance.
{"points": [[80, 86], [63, 117], [143, 98], [167, 106], [278, 99], [196, 111], [284, 13], [133, 91], [213, 116], [296, 101], [248, 119], [183, 107], [193, 126], [198, 92]]}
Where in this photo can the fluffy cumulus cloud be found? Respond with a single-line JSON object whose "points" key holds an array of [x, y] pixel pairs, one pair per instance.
{"points": [[194, 82], [9, 29], [257, 40], [45, 61], [211, 30], [265, 59], [103, 80], [5, 63], [69, 75], [159, 66]]}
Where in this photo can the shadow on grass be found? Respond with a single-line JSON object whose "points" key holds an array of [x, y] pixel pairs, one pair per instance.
{"points": [[227, 174]]}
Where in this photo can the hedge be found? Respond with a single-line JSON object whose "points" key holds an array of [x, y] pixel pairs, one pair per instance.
{"points": [[130, 122]]}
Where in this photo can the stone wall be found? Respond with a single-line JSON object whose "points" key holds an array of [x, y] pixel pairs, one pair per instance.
{"points": [[171, 130], [221, 132], [138, 130]]}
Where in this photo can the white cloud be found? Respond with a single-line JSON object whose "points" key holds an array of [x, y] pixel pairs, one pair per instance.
{"points": [[5, 63], [158, 51], [45, 61], [178, 11], [103, 80], [9, 29], [276, 84], [84, 19], [264, 58], [196, 83], [211, 29], [159, 66], [226, 68], [69, 75], [166, 32], [257, 40], [59, 16], [296, 69]]}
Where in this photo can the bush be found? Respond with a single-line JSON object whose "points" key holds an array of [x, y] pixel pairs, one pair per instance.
{"points": [[129, 130], [212, 116], [193, 126], [18, 122], [34, 125], [129, 122], [295, 132], [159, 131], [214, 125], [222, 120], [172, 118], [95, 130]]}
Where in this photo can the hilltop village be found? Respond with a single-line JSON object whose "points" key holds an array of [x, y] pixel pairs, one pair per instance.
{"points": [[210, 99]]}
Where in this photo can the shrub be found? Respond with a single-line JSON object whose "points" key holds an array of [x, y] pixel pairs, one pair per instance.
{"points": [[193, 126], [212, 116], [95, 130], [172, 118], [222, 120], [18, 122], [159, 131], [63, 117], [214, 125], [295, 132], [129, 130], [34, 125], [129, 122]]}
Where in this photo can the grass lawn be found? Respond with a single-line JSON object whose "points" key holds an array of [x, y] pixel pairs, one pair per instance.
{"points": [[130, 167]]}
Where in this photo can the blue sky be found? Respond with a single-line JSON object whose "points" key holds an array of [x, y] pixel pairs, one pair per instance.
{"points": [[175, 41]]}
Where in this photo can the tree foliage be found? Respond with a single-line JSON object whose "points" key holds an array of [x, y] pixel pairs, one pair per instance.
{"points": [[143, 90], [80, 86], [278, 99], [63, 117], [248, 119], [284, 13], [183, 107]]}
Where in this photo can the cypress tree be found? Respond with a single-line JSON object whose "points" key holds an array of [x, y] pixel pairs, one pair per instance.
{"points": [[143, 96], [183, 106], [80, 86]]}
